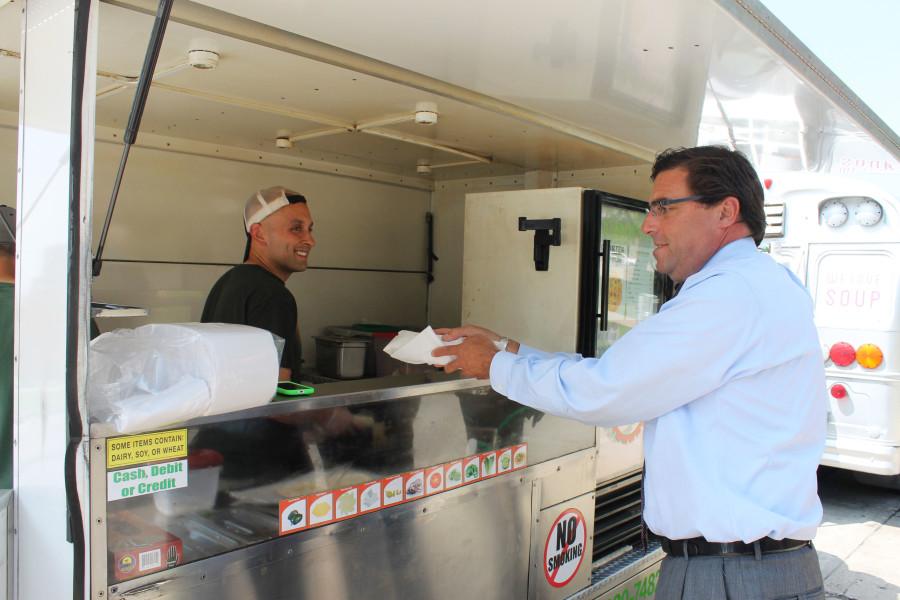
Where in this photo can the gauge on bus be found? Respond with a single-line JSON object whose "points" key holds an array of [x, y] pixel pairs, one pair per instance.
{"points": [[868, 212], [833, 213]]}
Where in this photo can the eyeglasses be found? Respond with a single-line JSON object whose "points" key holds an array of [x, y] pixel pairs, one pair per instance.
{"points": [[658, 208]]}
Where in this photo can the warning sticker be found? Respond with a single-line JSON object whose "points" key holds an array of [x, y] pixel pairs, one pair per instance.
{"points": [[146, 448], [565, 547]]}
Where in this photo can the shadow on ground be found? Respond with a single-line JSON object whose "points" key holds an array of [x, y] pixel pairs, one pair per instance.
{"points": [[861, 527], [843, 584]]}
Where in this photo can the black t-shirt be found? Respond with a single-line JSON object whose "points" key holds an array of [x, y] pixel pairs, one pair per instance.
{"points": [[250, 295]]}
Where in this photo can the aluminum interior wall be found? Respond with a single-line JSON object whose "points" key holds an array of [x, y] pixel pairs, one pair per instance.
{"points": [[188, 209]]}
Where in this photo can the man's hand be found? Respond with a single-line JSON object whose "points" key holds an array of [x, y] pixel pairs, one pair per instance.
{"points": [[448, 334], [473, 356]]}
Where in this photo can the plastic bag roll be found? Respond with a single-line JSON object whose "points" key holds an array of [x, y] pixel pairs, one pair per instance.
{"points": [[244, 362], [156, 375]]}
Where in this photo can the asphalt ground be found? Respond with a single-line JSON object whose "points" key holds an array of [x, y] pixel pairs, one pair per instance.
{"points": [[859, 539]]}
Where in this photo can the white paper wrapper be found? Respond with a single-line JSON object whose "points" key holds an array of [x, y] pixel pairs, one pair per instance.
{"points": [[155, 375], [415, 348]]}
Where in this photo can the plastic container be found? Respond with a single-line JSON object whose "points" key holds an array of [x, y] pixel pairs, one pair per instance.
{"points": [[204, 467], [340, 357]]}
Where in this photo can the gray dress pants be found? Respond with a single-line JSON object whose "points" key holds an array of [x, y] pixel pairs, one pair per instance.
{"points": [[790, 575]]}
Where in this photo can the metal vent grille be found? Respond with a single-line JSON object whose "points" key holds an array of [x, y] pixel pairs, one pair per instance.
{"points": [[617, 515], [774, 219]]}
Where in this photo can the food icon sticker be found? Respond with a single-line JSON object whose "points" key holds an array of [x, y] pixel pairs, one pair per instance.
{"points": [[488, 464], [321, 508], [472, 469], [504, 461], [393, 490], [520, 456], [346, 503], [434, 480], [293, 515], [369, 496], [414, 484], [453, 474]]}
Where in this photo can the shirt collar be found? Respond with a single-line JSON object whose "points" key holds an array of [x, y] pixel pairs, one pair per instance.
{"points": [[739, 247]]}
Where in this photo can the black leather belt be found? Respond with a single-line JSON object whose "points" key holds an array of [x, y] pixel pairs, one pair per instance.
{"points": [[700, 547]]}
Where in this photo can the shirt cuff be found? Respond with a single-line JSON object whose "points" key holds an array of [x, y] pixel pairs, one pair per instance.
{"points": [[501, 365]]}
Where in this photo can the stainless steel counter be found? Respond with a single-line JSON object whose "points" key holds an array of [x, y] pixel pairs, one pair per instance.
{"points": [[481, 537]]}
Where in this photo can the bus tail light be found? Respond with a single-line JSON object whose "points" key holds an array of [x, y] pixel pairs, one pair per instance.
{"points": [[842, 354], [838, 391], [869, 356]]}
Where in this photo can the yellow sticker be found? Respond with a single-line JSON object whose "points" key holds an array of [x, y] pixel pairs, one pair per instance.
{"points": [[145, 448]]}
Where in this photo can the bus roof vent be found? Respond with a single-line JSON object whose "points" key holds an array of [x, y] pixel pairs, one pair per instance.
{"points": [[774, 220]]}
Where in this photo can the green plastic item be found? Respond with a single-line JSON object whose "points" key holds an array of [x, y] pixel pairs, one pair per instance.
{"points": [[291, 388]]}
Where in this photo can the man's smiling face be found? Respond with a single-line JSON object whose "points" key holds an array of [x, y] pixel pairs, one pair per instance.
{"points": [[288, 238]]}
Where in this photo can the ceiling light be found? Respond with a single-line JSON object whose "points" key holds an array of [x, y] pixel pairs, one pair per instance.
{"points": [[423, 166], [284, 142], [203, 59], [426, 113]]}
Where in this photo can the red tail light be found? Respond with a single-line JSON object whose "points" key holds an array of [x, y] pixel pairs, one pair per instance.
{"points": [[842, 354], [838, 391]]}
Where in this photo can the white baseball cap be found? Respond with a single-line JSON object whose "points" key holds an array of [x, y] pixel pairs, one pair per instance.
{"points": [[265, 202]]}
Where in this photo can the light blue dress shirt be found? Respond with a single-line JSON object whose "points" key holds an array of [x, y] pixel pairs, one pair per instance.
{"points": [[730, 381]]}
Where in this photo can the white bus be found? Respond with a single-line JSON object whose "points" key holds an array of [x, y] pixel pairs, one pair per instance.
{"points": [[841, 237]]}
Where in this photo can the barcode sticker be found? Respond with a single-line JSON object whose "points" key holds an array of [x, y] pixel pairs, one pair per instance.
{"points": [[151, 559]]}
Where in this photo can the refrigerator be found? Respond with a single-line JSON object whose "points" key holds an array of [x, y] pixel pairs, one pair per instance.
{"points": [[563, 270]]}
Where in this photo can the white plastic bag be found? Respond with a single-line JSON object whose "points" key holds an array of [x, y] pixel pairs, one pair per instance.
{"points": [[155, 375]]}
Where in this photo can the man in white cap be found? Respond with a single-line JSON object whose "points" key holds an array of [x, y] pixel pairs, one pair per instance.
{"points": [[279, 228]]}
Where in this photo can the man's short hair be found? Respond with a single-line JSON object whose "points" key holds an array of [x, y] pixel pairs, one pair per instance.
{"points": [[265, 202], [718, 172]]}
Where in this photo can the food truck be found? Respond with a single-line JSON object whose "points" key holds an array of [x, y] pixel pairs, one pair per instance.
{"points": [[403, 124]]}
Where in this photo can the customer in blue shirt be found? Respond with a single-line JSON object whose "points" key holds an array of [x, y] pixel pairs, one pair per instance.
{"points": [[728, 377]]}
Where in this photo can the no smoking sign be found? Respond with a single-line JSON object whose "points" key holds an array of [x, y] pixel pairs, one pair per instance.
{"points": [[565, 547]]}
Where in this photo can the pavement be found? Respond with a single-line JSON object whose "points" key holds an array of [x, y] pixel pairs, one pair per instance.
{"points": [[859, 539]]}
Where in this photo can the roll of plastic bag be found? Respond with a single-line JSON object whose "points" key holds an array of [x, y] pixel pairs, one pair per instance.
{"points": [[145, 378]]}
